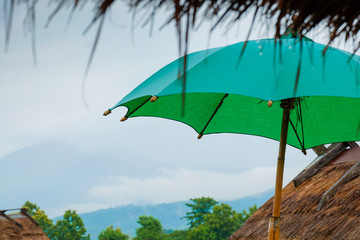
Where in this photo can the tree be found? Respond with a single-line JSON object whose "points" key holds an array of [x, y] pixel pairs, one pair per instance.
{"points": [[112, 234], [71, 227], [176, 235], [199, 208], [245, 215], [198, 233], [31, 207], [151, 229], [39, 216], [220, 223]]}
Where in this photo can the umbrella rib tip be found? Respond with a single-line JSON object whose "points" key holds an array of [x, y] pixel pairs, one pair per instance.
{"points": [[107, 112], [153, 98], [304, 151], [123, 119]]}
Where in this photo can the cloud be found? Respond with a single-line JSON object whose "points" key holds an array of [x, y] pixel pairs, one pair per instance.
{"points": [[173, 185], [80, 208], [183, 184]]}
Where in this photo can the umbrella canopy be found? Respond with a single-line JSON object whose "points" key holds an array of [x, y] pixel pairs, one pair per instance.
{"points": [[228, 93], [250, 90]]}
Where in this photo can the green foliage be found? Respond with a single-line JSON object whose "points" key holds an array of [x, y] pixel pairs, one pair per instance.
{"points": [[199, 209], [246, 215], [44, 222], [31, 208], [112, 234], [39, 216], [176, 235], [71, 227], [151, 229], [218, 223], [207, 220], [198, 233]]}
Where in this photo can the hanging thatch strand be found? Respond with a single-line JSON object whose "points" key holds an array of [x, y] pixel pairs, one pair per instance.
{"points": [[339, 18]]}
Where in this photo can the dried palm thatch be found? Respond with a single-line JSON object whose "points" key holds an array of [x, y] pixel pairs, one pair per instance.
{"points": [[338, 219], [20, 226], [339, 18]]}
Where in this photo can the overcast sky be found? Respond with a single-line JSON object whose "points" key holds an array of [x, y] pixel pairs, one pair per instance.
{"points": [[44, 103]]}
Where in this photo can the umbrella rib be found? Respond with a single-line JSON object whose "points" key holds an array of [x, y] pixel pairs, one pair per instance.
{"points": [[301, 144], [302, 125], [212, 116], [128, 114]]}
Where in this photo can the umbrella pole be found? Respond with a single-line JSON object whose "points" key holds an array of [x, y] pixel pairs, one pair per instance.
{"points": [[274, 222]]}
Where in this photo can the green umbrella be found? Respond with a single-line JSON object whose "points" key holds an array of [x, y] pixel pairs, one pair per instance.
{"points": [[252, 89]]}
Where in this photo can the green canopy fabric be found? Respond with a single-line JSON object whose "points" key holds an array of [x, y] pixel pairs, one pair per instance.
{"points": [[227, 91]]}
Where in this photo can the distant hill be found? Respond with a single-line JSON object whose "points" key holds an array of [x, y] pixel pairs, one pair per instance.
{"points": [[170, 214], [34, 172]]}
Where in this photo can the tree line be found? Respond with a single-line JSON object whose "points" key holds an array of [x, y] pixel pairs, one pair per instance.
{"points": [[207, 220]]}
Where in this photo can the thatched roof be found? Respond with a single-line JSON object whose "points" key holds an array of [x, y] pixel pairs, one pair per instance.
{"points": [[339, 218], [20, 226]]}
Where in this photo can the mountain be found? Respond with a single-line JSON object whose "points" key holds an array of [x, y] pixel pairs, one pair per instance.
{"points": [[54, 174], [170, 214]]}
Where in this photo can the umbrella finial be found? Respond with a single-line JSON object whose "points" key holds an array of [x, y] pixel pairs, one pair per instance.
{"points": [[123, 119], [107, 112], [153, 98], [270, 103]]}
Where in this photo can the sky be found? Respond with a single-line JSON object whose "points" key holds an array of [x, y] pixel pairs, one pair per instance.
{"points": [[43, 102]]}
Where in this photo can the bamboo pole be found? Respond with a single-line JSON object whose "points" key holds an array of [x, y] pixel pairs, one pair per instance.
{"points": [[274, 222]]}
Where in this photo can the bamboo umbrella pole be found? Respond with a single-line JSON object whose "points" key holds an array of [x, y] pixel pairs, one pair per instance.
{"points": [[274, 222]]}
